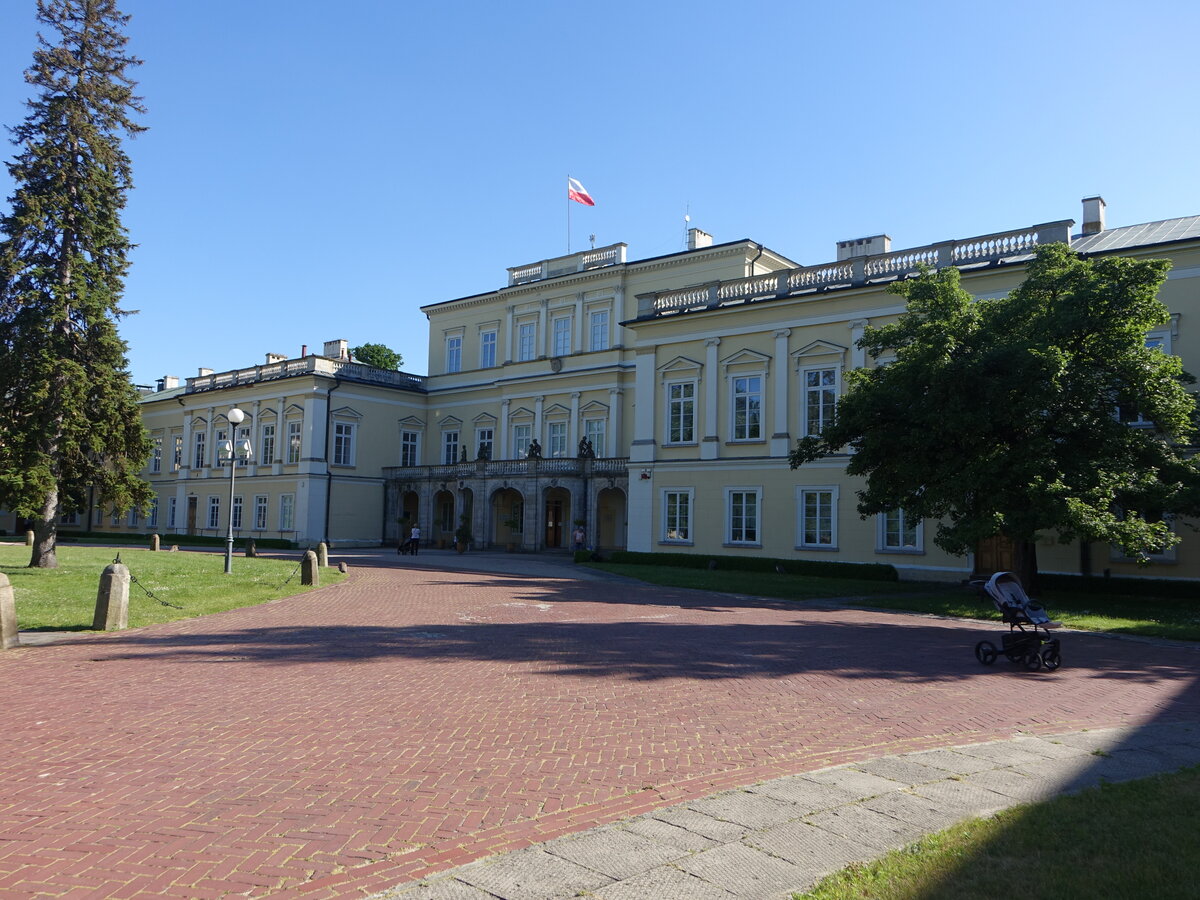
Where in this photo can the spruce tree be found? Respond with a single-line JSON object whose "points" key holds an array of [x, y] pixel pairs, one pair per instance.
{"points": [[70, 424]]}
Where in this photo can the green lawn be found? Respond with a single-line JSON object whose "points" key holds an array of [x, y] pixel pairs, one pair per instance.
{"points": [[1127, 841], [1129, 614], [65, 598]]}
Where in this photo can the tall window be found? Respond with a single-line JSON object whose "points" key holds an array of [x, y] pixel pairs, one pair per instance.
{"points": [[594, 430], [1134, 417], [681, 412], [237, 512], [287, 512], [454, 354], [156, 459], [198, 446], [562, 336], [743, 516], [132, 518], [293, 439], [820, 398], [677, 516], [260, 512], [214, 512], [449, 447], [487, 349], [266, 446], [599, 329], [152, 520], [114, 516], [556, 439], [747, 408], [409, 441], [343, 444], [526, 341], [817, 521], [243, 433], [171, 513], [522, 436], [899, 531], [177, 459], [485, 441]]}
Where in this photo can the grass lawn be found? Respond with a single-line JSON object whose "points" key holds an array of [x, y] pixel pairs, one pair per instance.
{"points": [[64, 599], [1125, 841], [1142, 615]]}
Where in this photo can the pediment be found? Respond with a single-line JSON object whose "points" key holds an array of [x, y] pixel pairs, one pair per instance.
{"points": [[819, 349], [347, 412], [747, 358], [484, 419], [451, 422], [521, 412], [556, 411], [413, 422], [680, 365], [594, 406]]}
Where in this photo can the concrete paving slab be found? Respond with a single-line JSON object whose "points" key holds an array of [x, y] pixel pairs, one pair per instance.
{"points": [[858, 783], [663, 832], [898, 768], [614, 852], [531, 874], [1060, 748], [1010, 783], [949, 761], [664, 882], [1001, 753], [967, 799], [1176, 755], [743, 808], [814, 850], [804, 794], [442, 889], [857, 823], [744, 871], [706, 826], [920, 812]]}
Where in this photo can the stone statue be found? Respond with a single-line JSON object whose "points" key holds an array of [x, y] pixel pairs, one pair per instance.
{"points": [[485, 453], [535, 450], [586, 451], [464, 453]]}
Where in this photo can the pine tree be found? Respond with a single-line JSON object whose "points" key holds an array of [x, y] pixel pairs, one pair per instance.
{"points": [[70, 425]]}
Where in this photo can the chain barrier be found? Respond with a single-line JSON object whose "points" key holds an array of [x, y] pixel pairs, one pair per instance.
{"points": [[298, 565], [147, 591]]}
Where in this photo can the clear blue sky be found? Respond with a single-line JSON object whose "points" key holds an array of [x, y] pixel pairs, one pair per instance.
{"points": [[319, 170]]}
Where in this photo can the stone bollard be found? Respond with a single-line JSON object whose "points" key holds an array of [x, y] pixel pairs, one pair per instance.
{"points": [[112, 599], [155, 543], [310, 572], [343, 568], [29, 539], [322, 554], [8, 616], [251, 548]]}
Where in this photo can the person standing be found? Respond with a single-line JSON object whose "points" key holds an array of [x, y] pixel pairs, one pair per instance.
{"points": [[414, 539], [578, 536]]}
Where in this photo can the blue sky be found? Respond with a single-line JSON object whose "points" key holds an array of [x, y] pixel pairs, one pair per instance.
{"points": [[319, 170]]}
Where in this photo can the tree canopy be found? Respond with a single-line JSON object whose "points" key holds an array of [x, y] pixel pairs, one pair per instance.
{"points": [[69, 420], [378, 355], [1040, 414]]}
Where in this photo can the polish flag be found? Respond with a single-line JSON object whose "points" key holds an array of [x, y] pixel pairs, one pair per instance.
{"points": [[578, 193]]}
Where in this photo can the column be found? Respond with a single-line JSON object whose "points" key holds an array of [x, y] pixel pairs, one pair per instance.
{"points": [[710, 444], [642, 449], [573, 434], [618, 314], [780, 439], [185, 463], [858, 356], [210, 448], [280, 432]]}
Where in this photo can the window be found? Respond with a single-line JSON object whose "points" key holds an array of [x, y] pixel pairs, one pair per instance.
{"points": [[526, 339], [681, 412], [293, 438], [214, 512], [485, 440], [522, 436], [114, 517], [198, 450], [747, 408], [237, 512], [71, 518], [556, 439], [562, 336], [487, 349], [177, 459], [343, 444], [449, 447], [409, 442], [594, 430], [266, 446], [156, 459], [170, 512], [1155, 340], [152, 520], [287, 512], [260, 512], [243, 434], [743, 507], [99, 516], [817, 518], [132, 517], [599, 329], [454, 353], [820, 398], [899, 532], [677, 516]]}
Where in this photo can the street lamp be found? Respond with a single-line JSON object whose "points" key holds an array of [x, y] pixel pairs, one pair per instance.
{"points": [[233, 451]]}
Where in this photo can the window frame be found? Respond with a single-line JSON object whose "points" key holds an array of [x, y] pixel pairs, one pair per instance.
{"points": [[526, 341], [295, 441], [560, 336], [345, 443], [450, 438], [743, 491], [590, 428], [802, 517], [806, 406], [413, 445], [599, 326], [672, 438], [689, 496], [490, 441], [734, 437], [212, 514], [883, 531], [453, 353], [487, 349], [262, 503], [287, 512], [519, 451], [556, 431], [266, 443], [156, 456], [199, 451]]}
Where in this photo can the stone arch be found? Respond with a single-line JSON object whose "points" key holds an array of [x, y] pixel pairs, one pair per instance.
{"points": [[506, 503], [611, 507]]}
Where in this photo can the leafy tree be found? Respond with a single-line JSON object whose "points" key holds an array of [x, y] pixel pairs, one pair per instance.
{"points": [[69, 416], [378, 355], [999, 416]]}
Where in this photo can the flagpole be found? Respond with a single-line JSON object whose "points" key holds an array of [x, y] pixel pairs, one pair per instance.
{"points": [[568, 214]]}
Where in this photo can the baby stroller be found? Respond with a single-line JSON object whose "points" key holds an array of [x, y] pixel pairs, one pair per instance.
{"points": [[1028, 639]]}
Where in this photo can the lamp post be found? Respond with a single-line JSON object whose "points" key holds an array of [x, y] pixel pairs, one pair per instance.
{"points": [[233, 451]]}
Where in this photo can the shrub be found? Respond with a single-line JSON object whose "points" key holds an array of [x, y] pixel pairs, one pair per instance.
{"points": [[811, 567]]}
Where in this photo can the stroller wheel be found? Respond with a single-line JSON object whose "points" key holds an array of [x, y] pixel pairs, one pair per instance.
{"points": [[1033, 661], [985, 652], [1051, 659]]}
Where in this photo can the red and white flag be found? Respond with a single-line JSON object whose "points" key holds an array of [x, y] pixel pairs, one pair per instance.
{"points": [[577, 192]]}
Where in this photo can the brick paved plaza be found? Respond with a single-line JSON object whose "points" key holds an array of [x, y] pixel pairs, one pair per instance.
{"points": [[416, 718]]}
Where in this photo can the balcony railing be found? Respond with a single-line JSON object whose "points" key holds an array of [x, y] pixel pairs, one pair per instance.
{"points": [[856, 271], [308, 365], [614, 467], [597, 258]]}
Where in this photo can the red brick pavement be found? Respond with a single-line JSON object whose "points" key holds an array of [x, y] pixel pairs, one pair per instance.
{"points": [[407, 721]]}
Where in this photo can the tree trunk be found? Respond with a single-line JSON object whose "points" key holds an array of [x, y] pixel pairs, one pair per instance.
{"points": [[1025, 565], [45, 535]]}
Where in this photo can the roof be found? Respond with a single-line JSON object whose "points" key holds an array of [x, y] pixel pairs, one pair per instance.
{"points": [[1162, 232]]}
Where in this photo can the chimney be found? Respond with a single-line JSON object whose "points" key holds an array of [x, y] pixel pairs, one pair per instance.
{"points": [[168, 382], [864, 246], [303, 350], [273, 358], [203, 371], [337, 349], [1093, 215], [698, 240]]}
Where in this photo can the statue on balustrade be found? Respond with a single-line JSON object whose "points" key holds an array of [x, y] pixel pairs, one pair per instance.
{"points": [[535, 450], [586, 451], [484, 454]]}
